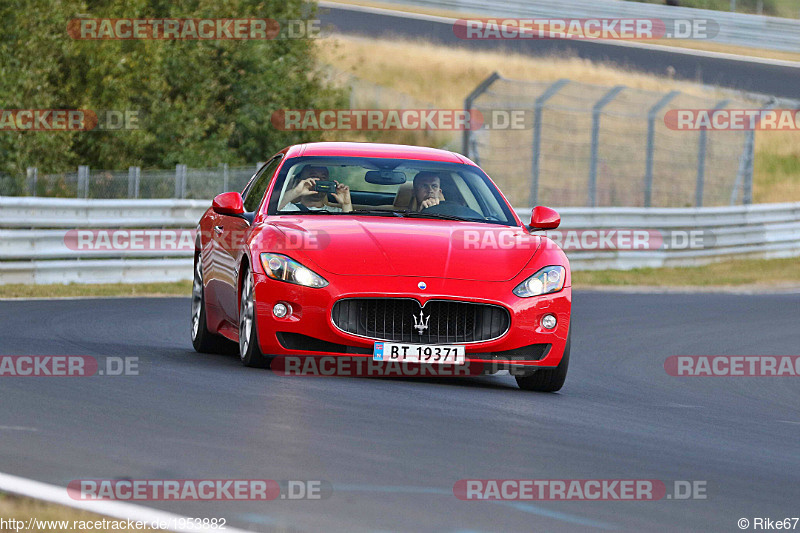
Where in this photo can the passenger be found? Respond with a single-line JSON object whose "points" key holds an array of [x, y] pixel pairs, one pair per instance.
{"points": [[301, 195]]}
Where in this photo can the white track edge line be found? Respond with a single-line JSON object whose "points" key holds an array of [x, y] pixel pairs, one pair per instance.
{"points": [[114, 509]]}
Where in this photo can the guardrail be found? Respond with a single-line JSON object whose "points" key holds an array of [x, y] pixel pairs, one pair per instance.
{"points": [[734, 28], [34, 246]]}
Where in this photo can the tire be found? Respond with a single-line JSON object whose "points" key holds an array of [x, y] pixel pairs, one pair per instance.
{"points": [[202, 339], [249, 352], [548, 379]]}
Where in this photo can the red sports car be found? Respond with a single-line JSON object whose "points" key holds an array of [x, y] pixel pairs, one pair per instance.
{"points": [[385, 252]]}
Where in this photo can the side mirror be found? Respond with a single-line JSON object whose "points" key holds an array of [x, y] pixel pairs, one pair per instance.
{"points": [[228, 203], [544, 218]]}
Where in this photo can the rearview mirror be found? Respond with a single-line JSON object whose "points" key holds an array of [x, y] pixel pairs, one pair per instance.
{"points": [[385, 177], [228, 203], [544, 218]]}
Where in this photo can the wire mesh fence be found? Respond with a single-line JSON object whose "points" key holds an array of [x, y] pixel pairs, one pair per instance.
{"points": [[182, 182], [591, 145]]}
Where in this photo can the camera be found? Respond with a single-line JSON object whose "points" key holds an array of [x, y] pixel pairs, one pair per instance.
{"points": [[325, 186]]}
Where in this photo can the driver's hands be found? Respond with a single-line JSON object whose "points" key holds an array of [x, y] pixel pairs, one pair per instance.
{"points": [[342, 196], [430, 202], [304, 188]]}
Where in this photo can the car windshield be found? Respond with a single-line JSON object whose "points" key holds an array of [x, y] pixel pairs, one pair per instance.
{"points": [[387, 187]]}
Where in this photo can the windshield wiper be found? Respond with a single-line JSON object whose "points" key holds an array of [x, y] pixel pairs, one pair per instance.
{"points": [[417, 214], [311, 212], [379, 212]]}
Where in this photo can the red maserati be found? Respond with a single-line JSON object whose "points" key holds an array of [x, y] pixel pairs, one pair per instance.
{"points": [[386, 252]]}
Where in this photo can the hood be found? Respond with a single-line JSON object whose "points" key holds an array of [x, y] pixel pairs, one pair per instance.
{"points": [[382, 246]]}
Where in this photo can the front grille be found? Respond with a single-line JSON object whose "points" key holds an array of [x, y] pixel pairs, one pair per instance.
{"points": [[394, 319]]}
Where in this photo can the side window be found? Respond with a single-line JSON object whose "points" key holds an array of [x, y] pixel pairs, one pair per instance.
{"points": [[256, 189]]}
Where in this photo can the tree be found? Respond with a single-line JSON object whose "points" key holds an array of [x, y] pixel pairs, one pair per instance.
{"points": [[199, 102]]}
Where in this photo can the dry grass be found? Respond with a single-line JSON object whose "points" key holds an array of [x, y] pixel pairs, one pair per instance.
{"points": [[139, 290], [745, 273], [776, 177], [23, 509], [445, 76]]}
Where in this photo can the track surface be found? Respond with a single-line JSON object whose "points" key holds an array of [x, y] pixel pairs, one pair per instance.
{"points": [[755, 76], [392, 449]]}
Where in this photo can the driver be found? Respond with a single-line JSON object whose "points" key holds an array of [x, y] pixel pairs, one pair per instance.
{"points": [[301, 191], [427, 189]]}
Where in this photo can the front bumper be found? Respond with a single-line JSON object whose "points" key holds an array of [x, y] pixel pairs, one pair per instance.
{"points": [[311, 317]]}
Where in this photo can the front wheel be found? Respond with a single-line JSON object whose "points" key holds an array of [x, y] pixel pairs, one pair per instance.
{"points": [[548, 379], [249, 352]]}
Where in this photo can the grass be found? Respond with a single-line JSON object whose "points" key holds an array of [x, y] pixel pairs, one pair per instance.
{"points": [[23, 509], [783, 8], [738, 273], [444, 75], [180, 288]]}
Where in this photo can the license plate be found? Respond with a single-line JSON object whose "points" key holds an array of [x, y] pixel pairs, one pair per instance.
{"points": [[419, 353]]}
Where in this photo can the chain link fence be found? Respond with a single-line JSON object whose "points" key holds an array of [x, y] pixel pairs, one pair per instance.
{"points": [[182, 182], [595, 146]]}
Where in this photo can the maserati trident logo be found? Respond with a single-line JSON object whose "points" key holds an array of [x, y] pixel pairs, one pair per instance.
{"points": [[421, 324]]}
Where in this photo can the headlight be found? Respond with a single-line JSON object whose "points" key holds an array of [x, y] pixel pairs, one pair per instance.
{"points": [[547, 280], [287, 269]]}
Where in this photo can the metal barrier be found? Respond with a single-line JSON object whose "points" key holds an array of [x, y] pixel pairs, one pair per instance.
{"points": [[734, 28], [34, 249]]}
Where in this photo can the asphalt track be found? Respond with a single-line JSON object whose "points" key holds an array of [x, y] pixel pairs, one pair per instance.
{"points": [[779, 78], [392, 448]]}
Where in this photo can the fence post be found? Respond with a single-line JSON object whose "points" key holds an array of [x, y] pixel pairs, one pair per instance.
{"points": [[651, 141], [701, 160], [479, 90], [596, 110], [180, 181], [538, 105], [225, 177], [184, 180], [744, 176], [33, 177], [133, 182], [83, 181]]}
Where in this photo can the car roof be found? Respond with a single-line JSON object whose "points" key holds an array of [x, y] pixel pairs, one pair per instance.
{"points": [[356, 149]]}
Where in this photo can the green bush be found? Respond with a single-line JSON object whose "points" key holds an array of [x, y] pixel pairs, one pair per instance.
{"points": [[199, 102]]}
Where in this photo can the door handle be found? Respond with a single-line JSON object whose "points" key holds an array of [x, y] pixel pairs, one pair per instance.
{"points": [[218, 230]]}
